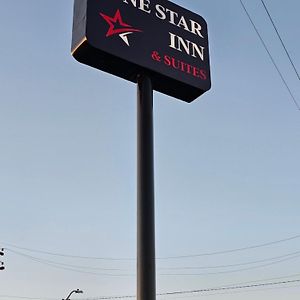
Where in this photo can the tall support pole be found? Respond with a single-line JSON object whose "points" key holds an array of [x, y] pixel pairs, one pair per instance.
{"points": [[146, 287]]}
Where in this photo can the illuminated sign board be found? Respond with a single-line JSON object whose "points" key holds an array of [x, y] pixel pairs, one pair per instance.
{"points": [[129, 37]]}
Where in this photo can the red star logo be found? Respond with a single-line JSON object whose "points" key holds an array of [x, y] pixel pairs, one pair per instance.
{"points": [[117, 20]]}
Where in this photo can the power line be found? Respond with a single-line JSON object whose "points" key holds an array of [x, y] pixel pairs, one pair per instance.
{"points": [[265, 279], [223, 288], [271, 57], [231, 271], [74, 268], [195, 291], [70, 255], [234, 265], [235, 292], [234, 250], [160, 258], [279, 36], [230, 288], [65, 266], [206, 290], [291, 255]]}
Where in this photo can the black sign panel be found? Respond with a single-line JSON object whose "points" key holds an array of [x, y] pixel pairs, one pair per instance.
{"points": [[127, 37]]}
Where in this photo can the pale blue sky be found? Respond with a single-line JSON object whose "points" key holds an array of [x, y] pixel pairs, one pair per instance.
{"points": [[227, 166]]}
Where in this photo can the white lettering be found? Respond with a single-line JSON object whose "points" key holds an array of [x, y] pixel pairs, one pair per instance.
{"points": [[172, 45], [133, 2], [198, 50], [183, 23], [196, 28], [172, 16], [144, 5], [160, 12], [190, 48]]}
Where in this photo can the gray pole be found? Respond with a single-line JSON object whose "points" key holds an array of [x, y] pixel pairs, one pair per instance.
{"points": [[145, 192]]}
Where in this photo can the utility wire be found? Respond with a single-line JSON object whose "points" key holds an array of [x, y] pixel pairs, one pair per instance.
{"points": [[230, 271], [259, 289], [223, 288], [263, 280], [271, 57], [233, 250], [64, 264], [74, 269], [245, 291], [160, 258], [70, 255], [288, 255], [234, 265], [207, 290], [279, 36], [238, 287]]}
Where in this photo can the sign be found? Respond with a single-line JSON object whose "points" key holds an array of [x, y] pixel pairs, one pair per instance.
{"points": [[127, 37]]}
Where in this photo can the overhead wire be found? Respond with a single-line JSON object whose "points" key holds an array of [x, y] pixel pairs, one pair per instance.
{"points": [[183, 292], [81, 269], [264, 280], [69, 255], [230, 271], [280, 38], [230, 288], [234, 265], [233, 250], [288, 255], [256, 290], [271, 57], [205, 290], [65, 266]]}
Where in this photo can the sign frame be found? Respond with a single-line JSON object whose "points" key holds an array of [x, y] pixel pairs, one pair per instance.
{"points": [[177, 63]]}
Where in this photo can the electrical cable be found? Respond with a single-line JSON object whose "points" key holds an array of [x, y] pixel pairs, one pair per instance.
{"points": [[58, 266], [271, 57], [288, 255], [230, 271], [64, 264], [206, 290], [233, 265], [160, 258], [73, 268], [279, 36], [223, 288], [263, 280], [236, 292], [69, 255], [232, 250], [230, 288]]}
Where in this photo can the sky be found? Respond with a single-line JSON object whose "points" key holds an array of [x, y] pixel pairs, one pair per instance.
{"points": [[227, 166]]}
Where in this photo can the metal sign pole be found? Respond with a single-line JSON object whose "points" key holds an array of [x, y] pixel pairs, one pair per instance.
{"points": [[102, 31], [146, 287]]}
